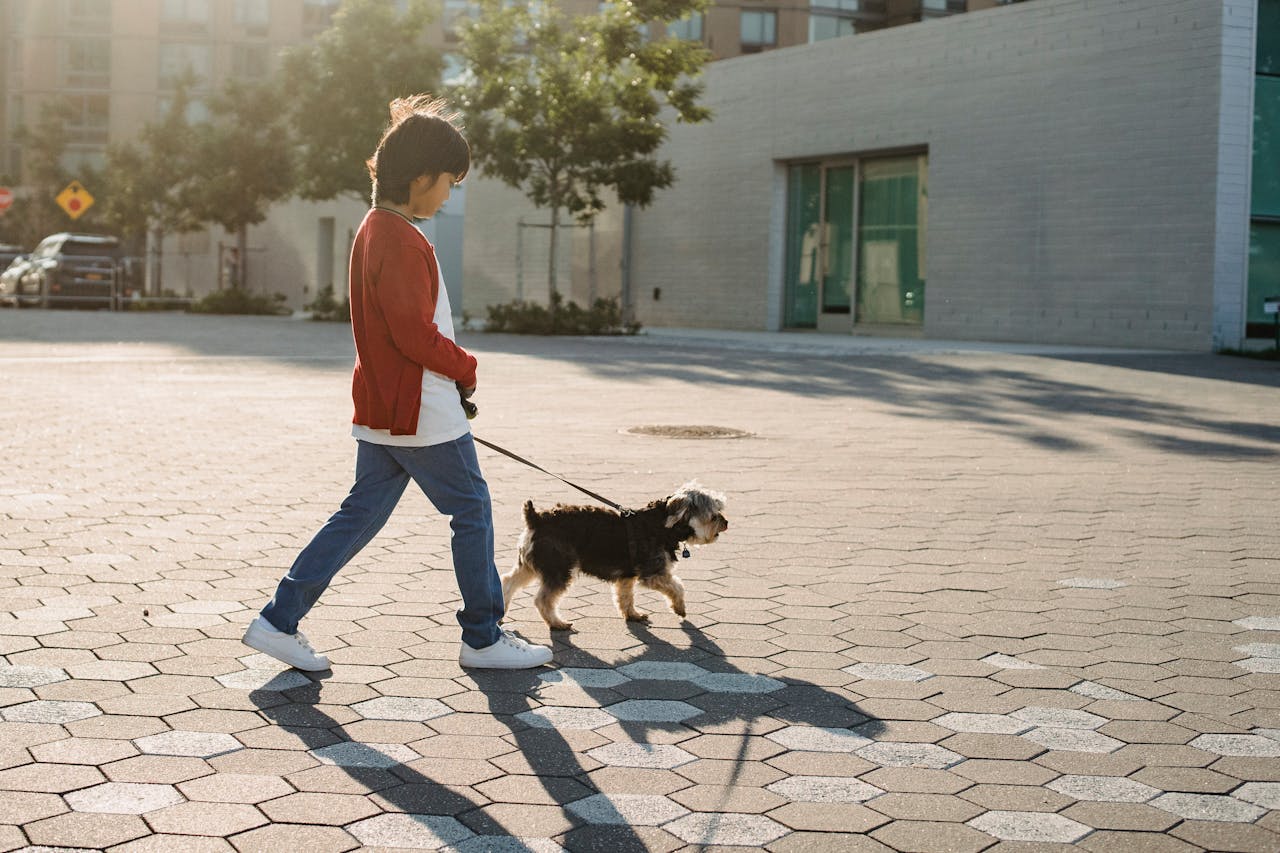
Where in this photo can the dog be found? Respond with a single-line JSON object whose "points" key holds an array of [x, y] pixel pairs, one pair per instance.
{"points": [[637, 546]]}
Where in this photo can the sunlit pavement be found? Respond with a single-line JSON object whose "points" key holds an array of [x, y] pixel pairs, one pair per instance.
{"points": [[971, 598]]}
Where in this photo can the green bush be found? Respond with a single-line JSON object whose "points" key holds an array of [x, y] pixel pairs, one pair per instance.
{"points": [[327, 308], [604, 317], [237, 300]]}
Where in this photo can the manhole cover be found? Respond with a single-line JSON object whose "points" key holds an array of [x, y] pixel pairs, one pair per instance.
{"points": [[687, 431]]}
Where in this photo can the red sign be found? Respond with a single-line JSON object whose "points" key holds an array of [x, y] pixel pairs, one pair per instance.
{"points": [[6, 198]]}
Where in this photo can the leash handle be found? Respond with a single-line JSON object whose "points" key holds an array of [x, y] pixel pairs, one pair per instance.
{"points": [[521, 459]]}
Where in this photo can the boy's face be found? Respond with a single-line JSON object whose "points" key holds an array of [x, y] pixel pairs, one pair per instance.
{"points": [[428, 194]]}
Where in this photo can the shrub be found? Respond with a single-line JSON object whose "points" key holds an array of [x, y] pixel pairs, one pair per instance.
{"points": [[237, 300], [327, 308], [604, 317], [170, 301]]}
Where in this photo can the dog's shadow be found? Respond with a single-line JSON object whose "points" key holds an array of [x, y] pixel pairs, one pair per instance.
{"points": [[676, 695]]}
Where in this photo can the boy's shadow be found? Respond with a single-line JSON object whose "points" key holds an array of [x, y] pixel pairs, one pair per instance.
{"points": [[556, 757]]}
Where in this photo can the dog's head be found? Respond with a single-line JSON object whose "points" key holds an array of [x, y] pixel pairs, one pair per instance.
{"points": [[701, 509]]}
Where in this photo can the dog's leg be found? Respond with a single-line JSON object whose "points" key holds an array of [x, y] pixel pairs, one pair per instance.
{"points": [[515, 580], [624, 592], [670, 586], [546, 601]]}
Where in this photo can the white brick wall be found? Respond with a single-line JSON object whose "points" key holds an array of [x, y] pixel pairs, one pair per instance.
{"points": [[1073, 162]]}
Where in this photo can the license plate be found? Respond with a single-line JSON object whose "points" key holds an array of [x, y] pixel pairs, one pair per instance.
{"points": [[93, 276]]}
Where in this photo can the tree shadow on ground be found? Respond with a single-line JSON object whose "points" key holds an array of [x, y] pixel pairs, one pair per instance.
{"points": [[557, 758]]}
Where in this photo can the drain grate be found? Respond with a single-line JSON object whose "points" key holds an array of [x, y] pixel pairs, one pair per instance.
{"points": [[687, 431]]}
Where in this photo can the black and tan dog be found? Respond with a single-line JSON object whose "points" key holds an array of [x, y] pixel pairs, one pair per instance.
{"points": [[636, 547]]}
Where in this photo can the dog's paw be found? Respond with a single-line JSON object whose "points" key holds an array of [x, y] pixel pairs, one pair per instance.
{"points": [[561, 626], [678, 609], [637, 616]]}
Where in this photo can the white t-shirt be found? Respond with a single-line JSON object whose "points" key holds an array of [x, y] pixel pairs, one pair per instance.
{"points": [[441, 418]]}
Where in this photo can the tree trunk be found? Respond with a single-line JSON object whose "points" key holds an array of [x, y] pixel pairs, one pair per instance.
{"points": [[551, 271], [154, 262], [242, 256]]}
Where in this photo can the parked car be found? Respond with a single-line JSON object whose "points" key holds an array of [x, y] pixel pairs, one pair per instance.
{"points": [[68, 270], [8, 252], [17, 266]]}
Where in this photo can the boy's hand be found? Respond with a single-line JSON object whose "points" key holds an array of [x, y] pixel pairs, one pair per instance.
{"points": [[465, 393]]}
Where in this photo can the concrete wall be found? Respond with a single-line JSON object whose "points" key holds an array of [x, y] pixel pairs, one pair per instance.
{"points": [[1073, 171]]}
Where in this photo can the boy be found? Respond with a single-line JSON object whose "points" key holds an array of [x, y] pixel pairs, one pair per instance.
{"points": [[408, 421]]}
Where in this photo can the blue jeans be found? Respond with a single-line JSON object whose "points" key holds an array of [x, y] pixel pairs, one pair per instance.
{"points": [[449, 475]]}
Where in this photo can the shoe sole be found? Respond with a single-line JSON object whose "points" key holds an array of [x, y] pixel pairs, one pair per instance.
{"points": [[246, 640], [503, 666]]}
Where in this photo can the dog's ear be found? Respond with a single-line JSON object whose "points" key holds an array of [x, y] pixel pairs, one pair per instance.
{"points": [[677, 506]]}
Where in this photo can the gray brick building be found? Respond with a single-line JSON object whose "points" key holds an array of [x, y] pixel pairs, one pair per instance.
{"points": [[1066, 171]]}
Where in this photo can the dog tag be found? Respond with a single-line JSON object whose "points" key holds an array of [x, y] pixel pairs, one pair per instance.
{"points": [[686, 554]]}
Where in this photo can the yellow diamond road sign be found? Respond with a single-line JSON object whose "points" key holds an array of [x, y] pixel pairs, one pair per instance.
{"points": [[75, 199]]}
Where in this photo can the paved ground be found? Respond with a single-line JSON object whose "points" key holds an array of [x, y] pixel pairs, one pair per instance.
{"points": [[971, 599]]}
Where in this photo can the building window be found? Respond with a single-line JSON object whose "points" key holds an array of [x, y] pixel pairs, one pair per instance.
{"points": [[179, 59], [87, 15], [688, 29], [89, 120], [317, 15], [759, 30], [254, 16], [185, 15], [87, 63], [830, 19], [197, 110], [250, 61]]}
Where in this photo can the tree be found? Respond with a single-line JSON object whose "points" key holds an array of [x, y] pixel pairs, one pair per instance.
{"points": [[338, 88], [243, 162], [564, 108], [149, 183], [43, 148]]}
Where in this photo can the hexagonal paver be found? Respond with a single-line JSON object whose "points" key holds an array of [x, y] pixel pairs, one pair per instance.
{"points": [[351, 754], [737, 682], [584, 677], [1104, 789], [887, 672], [401, 708], [50, 712], [1009, 662], [663, 756], [264, 679], [1265, 794], [1100, 691], [207, 607], [928, 755], [566, 718], [1260, 650], [727, 828], [1261, 665], [1092, 583], [1250, 745], [1059, 718], [194, 744], [824, 789], [627, 809], [653, 710], [816, 739], [1030, 826], [123, 798], [662, 671], [1259, 623], [996, 724], [30, 676], [1214, 807], [1073, 740], [416, 831]]}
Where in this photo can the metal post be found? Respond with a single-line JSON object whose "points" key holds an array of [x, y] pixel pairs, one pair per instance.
{"points": [[520, 259]]}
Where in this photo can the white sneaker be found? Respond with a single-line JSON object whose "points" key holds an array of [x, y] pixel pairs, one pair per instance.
{"points": [[293, 649], [510, 652]]}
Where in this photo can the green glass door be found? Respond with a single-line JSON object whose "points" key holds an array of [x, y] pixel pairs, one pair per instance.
{"points": [[837, 280], [804, 214], [891, 240]]}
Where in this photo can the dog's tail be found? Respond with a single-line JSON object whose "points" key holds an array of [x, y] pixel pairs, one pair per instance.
{"points": [[529, 514]]}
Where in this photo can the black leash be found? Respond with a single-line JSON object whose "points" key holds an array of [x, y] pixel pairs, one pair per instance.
{"points": [[506, 452]]}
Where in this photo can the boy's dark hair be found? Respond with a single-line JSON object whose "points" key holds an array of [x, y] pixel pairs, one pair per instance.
{"points": [[420, 140]]}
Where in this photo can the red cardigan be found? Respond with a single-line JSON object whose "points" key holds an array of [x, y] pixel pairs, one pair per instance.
{"points": [[394, 286]]}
